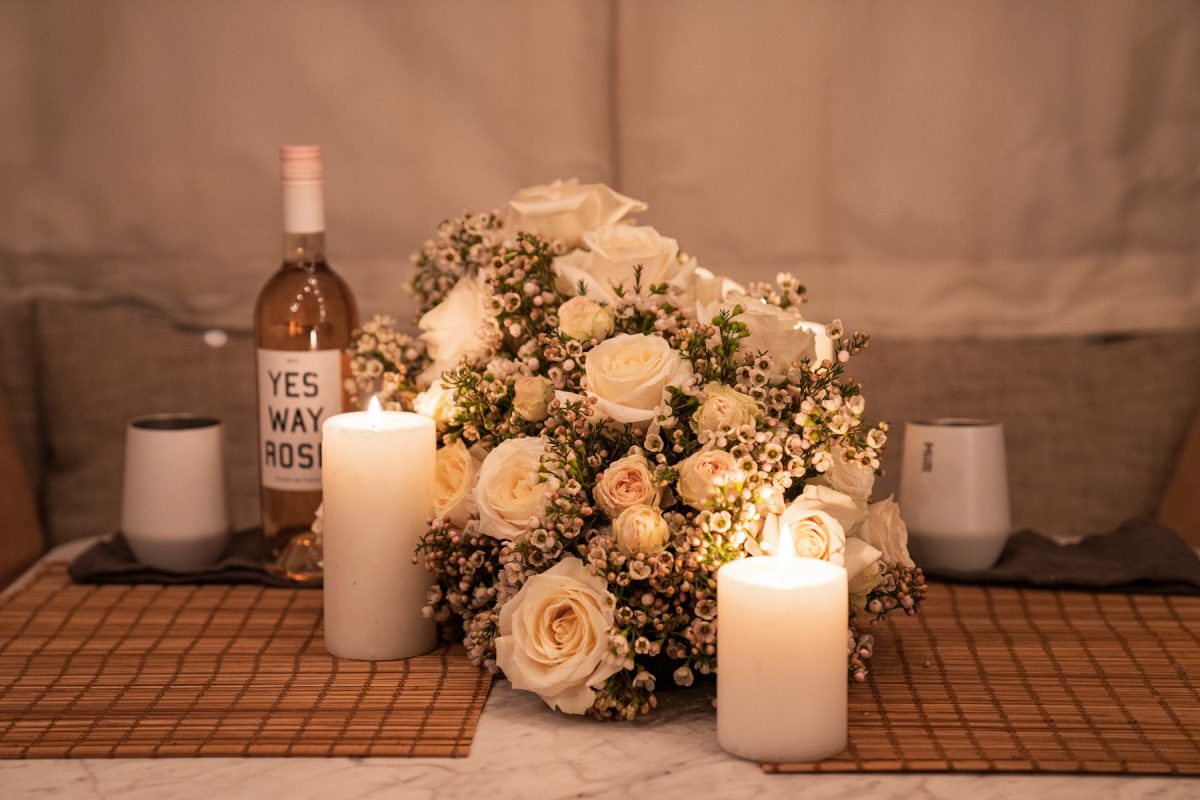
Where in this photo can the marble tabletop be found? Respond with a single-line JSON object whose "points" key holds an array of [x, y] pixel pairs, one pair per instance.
{"points": [[521, 749]]}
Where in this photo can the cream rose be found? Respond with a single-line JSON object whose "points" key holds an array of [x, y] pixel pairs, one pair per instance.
{"points": [[885, 529], [584, 319], [436, 402], [452, 330], [532, 395], [725, 408], [627, 482], [510, 491], [641, 529], [455, 471], [703, 475], [629, 374], [611, 257], [862, 562], [554, 636], [848, 477], [781, 333], [567, 209]]}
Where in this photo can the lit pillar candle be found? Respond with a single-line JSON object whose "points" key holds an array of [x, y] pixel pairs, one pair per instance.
{"points": [[781, 657], [377, 479]]}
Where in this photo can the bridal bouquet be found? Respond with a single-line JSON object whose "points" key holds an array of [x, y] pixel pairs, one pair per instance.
{"points": [[616, 423]]}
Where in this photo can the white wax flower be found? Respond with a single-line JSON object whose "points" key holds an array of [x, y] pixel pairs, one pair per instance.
{"points": [[566, 210], [585, 319], [455, 472], [702, 476], [554, 636], [628, 481], [510, 491], [611, 256], [532, 395], [452, 329], [629, 375], [641, 529], [848, 477]]}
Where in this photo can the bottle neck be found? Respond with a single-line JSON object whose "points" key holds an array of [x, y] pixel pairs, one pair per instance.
{"points": [[303, 249], [303, 220]]}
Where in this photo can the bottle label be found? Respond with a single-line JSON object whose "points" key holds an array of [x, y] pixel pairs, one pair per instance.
{"points": [[297, 391]]}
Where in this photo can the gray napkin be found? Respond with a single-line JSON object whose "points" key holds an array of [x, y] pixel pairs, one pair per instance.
{"points": [[1140, 556], [244, 561]]}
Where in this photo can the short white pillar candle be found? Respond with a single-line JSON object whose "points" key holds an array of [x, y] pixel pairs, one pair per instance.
{"points": [[781, 657], [377, 478]]}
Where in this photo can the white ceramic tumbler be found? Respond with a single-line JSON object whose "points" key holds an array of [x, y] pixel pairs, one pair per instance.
{"points": [[174, 511], [954, 492]]}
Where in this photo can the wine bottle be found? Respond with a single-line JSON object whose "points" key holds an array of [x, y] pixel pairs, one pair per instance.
{"points": [[302, 322]]}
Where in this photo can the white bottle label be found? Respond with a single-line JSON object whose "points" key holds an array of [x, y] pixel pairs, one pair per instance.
{"points": [[297, 391]]}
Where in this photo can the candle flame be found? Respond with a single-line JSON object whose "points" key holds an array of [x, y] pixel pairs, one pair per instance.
{"points": [[374, 413], [787, 542]]}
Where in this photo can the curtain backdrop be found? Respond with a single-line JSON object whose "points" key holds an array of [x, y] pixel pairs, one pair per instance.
{"points": [[927, 168]]}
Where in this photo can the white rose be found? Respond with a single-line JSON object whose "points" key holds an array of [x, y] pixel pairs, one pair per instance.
{"points": [[455, 471], [885, 529], [820, 519], [554, 636], [566, 210], [436, 402], [532, 396], [702, 476], [865, 582], [838, 505], [584, 319], [783, 334], [725, 408], [817, 535], [453, 329], [641, 529], [510, 490], [629, 375], [862, 562], [627, 482], [613, 252], [848, 477], [709, 288]]}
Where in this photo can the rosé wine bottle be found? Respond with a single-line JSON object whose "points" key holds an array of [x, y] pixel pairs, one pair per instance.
{"points": [[302, 324]]}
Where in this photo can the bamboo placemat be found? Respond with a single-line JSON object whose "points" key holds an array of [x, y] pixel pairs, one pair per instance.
{"points": [[151, 671], [1019, 680]]}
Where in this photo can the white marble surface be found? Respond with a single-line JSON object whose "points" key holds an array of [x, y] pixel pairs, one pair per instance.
{"points": [[523, 750]]}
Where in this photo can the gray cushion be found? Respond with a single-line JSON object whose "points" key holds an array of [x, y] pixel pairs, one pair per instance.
{"points": [[1092, 425], [105, 364]]}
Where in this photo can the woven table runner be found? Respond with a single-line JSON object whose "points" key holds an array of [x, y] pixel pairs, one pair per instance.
{"points": [[152, 671], [992, 679]]}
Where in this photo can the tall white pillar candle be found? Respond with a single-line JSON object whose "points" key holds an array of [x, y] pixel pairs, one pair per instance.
{"points": [[781, 658], [377, 477]]}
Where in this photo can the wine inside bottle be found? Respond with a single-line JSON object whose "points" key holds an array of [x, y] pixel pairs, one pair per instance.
{"points": [[303, 321]]}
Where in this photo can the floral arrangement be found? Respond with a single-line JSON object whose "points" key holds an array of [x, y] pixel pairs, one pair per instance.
{"points": [[616, 423]]}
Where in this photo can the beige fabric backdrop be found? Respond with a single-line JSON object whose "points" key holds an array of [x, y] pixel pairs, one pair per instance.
{"points": [[934, 168]]}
